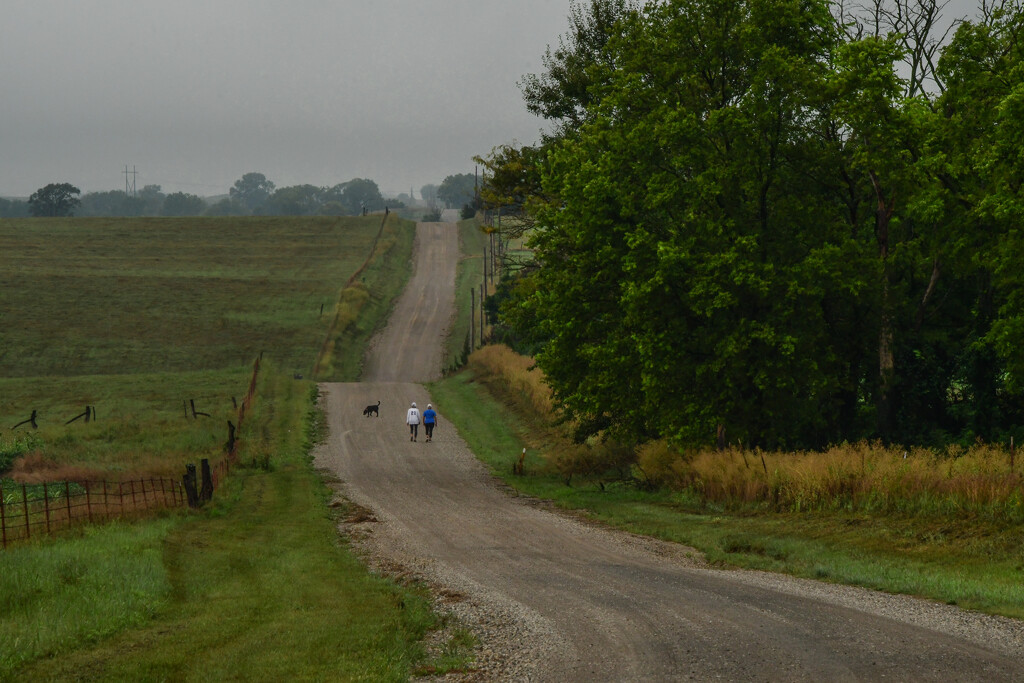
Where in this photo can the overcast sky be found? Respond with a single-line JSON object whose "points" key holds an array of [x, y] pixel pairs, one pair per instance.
{"points": [[195, 93]]}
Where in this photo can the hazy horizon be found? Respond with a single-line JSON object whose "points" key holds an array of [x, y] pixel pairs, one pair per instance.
{"points": [[195, 94]]}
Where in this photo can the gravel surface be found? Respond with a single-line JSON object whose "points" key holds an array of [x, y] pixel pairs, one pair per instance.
{"points": [[551, 598]]}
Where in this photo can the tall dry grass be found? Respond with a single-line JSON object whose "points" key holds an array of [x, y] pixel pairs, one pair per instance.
{"points": [[515, 374], [864, 476]]}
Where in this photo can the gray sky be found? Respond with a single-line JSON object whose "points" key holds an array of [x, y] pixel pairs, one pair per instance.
{"points": [[194, 93]]}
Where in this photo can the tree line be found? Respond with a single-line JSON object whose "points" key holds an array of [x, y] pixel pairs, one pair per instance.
{"points": [[787, 223], [252, 194]]}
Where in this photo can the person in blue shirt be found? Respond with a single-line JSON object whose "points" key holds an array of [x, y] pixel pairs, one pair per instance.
{"points": [[429, 420]]}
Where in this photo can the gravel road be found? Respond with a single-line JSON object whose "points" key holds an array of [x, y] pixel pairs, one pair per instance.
{"points": [[555, 599]]}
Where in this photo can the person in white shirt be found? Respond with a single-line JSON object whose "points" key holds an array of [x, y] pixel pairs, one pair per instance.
{"points": [[412, 418]]}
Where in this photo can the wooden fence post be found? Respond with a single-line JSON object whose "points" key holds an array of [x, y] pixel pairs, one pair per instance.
{"points": [[206, 493], [189, 481]]}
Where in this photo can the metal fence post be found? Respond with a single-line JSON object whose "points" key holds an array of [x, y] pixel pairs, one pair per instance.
{"points": [[24, 503], [67, 496], [88, 503], [3, 516]]}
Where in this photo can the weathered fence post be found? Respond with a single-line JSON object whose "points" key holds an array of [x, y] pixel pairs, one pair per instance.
{"points": [[229, 447], [207, 491], [189, 481]]}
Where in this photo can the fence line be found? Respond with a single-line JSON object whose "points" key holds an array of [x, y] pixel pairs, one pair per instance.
{"points": [[51, 506], [37, 509]]}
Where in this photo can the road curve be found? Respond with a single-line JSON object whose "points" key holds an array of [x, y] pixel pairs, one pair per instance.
{"points": [[579, 603]]}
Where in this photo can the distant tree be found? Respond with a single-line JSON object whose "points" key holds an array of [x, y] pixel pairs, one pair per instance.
{"points": [[457, 190], [110, 203], [251, 190], [13, 208], [150, 200], [226, 207], [297, 200], [360, 193], [333, 208], [182, 204], [56, 199], [429, 193]]}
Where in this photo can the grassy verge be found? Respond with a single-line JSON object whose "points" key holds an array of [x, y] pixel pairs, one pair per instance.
{"points": [[362, 307], [973, 562], [255, 588], [257, 585], [468, 277]]}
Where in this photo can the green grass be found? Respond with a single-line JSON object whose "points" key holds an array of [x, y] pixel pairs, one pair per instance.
{"points": [[972, 562], [256, 588], [110, 296], [257, 585], [79, 590], [138, 316], [468, 277]]}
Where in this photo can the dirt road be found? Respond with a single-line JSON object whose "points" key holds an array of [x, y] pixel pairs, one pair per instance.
{"points": [[556, 600]]}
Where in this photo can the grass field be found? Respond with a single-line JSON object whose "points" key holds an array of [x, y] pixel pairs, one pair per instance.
{"points": [[956, 555], [140, 317], [136, 317]]}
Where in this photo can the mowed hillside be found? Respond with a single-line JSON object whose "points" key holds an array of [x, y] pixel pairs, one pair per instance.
{"points": [[138, 316]]}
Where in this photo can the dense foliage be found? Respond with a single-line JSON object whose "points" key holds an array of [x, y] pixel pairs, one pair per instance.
{"points": [[752, 220]]}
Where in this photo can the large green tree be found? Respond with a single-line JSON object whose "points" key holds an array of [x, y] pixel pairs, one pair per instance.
{"points": [[758, 222], [182, 204], [251, 191], [56, 199], [296, 200], [361, 194], [458, 190]]}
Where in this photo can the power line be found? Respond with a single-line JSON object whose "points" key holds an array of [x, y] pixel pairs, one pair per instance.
{"points": [[133, 174]]}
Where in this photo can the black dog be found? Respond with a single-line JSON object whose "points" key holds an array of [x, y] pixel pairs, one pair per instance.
{"points": [[372, 409]]}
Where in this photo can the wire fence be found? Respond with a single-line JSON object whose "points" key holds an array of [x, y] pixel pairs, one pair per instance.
{"points": [[31, 510], [28, 510]]}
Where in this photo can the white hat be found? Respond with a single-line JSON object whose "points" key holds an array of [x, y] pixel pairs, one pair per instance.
{"points": [[429, 406], [414, 404]]}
